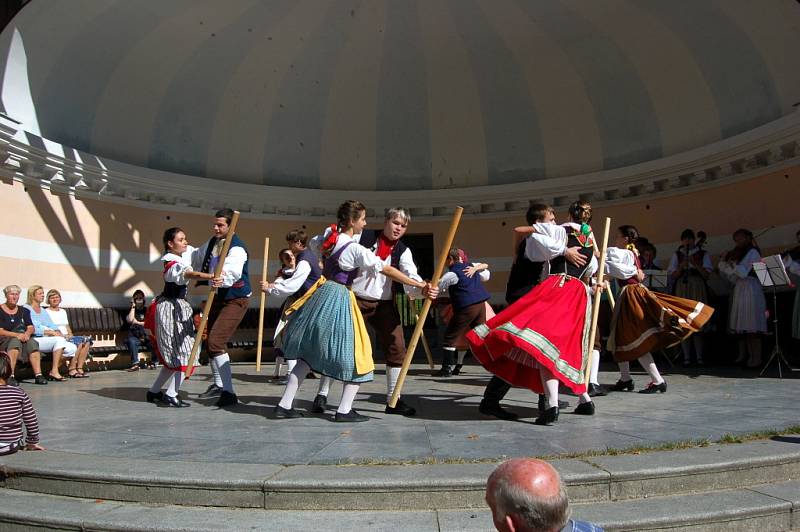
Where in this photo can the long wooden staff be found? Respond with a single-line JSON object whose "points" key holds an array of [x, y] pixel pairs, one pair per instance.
{"points": [[261, 306], [427, 349], [596, 303], [198, 339], [426, 307]]}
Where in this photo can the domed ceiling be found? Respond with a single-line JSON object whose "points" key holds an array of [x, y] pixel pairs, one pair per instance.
{"points": [[397, 95]]}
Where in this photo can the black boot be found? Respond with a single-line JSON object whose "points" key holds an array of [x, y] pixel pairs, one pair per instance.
{"points": [[585, 409], [320, 402], [655, 388], [623, 386], [595, 390], [447, 362], [495, 410], [549, 417]]}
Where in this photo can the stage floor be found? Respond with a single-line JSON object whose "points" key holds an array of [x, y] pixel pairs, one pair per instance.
{"points": [[107, 415]]}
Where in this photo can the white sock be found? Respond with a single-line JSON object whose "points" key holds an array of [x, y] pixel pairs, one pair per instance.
{"points": [[175, 382], [584, 398], [348, 395], [550, 387], [215, 372], [624, 371], [324, 385], [649, 366], [279, 361], [392, 374], [291, 364], [461, 355], [163, 375], [225, 372], [296, 378], [595, 367]]}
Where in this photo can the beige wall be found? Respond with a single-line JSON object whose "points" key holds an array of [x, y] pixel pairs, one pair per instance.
{"points": [[94, 252]]}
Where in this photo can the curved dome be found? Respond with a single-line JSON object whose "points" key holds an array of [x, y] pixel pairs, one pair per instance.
{"points": [[390, 95]]}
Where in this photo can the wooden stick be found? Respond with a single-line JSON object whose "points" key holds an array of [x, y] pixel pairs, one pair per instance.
{"points": [[198, 339], [596, 302], [261, 306], [611, 297], [427, 349], [426, 307]]}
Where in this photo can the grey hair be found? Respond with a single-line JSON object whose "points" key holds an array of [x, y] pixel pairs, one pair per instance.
{"points": [[400, 212], [538, 513], [12, 288]]}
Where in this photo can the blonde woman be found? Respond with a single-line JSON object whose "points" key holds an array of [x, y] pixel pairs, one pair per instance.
{"points": [[82, 343], [47, 335]]}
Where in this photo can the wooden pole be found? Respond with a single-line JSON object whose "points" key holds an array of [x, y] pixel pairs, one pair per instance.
{"points": [[427, 349], [261, 306], [596, 302], [611, 298], [198, 339], [426, 307]]}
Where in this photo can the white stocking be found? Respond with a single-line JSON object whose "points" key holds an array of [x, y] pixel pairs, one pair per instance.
{"points": [[550, 386], [163, 375], [624, 371], [215, 372], [290, 364], [649, 366], [595, 367], [324, 385], [175, 382], [392, 374], [225, 372], [296, 378], [584, 398], [348, 395], [461, 355]]}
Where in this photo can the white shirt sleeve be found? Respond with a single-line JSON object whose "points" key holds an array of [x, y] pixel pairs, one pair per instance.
{"points": [[176, 272], [707, 262], [357, 256], [447, 280], [485, 275], [593, 266], [196, 256], [792, 266], [286, 287], [407, 266], [234, 264], [549, 241], [673, 263], [316, 242], [620, 263]]}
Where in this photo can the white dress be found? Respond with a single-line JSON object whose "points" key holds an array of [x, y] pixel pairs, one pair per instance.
{"points": [[748, 306]]}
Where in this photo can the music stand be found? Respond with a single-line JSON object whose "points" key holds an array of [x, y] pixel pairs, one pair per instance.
{"points": [[772, 273], [656, 280]]}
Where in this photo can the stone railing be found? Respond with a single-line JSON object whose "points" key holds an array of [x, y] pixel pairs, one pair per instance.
{"points": [[39, 162]]}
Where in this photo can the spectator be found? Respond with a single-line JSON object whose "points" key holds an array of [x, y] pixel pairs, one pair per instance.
{"points": [[61, 320], [15, 410], [47, 335], [137, 337], [16, 335], [526, 495]]}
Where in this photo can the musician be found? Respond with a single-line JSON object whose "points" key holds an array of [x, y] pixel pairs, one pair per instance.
{"points": [[748, 305], [689, 269], [791, 258]]}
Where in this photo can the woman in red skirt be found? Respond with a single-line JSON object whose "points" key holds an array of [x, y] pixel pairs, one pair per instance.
{"points": [[542, 338]]}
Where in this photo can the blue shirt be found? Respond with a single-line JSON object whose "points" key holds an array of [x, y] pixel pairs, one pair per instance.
{"points": [[581, 526], [41, 321]]}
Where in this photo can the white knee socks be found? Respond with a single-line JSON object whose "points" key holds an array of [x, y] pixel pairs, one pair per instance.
{"points": [[163, 375], [174, 384], [649, 366], [279, 362], [392, 374], [624, 371], [291, 364], [324, 385], [225, 372], [296, 378], [550, 387], [595, 367], [215, 372], [461, 355], [348, 395]]}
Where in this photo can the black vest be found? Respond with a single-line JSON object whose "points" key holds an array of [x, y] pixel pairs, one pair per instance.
{"points": [[369, 239], [469, 290], [525, 274], [313, 275], [562, 265]]}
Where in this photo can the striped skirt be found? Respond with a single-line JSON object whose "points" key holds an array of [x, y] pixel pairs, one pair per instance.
{"points": [[646, 321], [326, 330], [174, 334], [748, 307]]}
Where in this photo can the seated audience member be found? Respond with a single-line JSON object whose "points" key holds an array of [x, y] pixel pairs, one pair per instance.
{"points": [[16, 410], [47, 335], [82, 343], [526, 495], [16, 335], [137, 337]]}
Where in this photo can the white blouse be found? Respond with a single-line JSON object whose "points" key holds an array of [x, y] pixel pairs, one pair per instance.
{"points": [[620, 263], [183, 264], [734, 272], [60, 319], [355, 256], [548, 242]]}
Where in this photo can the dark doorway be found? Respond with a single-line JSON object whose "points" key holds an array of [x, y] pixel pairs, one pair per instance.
{"points": [[422, 248]]}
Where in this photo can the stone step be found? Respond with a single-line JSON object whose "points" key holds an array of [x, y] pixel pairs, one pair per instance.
{"points": [[770, 507], [395, 487]]}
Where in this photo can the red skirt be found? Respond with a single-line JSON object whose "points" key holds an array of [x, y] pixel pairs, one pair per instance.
{"points": [[547, 327]]}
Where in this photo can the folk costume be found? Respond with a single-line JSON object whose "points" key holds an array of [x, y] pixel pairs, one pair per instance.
{"points": [[691, 284], [170, 324], [542, 338], [748, 305], [644, 320], [227, 310], [325, 330], [792, 263]]}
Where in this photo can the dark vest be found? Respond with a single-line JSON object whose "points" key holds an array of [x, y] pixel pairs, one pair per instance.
{"points": [[562, 265], [172, 290], [240, 288], [369, 239], [333, 272], [468, 290], [525, 274], [315, 273]]}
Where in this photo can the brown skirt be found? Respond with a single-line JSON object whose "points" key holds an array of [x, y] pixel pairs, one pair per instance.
{"points": [[646, 321]]}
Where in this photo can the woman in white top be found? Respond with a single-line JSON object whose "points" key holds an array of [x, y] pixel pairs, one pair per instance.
{"points": [[325, 330], [48, 337], [748, 305], [61, 320]]}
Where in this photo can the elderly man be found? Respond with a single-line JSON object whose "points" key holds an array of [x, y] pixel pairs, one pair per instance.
{"points": [[526, 495]]}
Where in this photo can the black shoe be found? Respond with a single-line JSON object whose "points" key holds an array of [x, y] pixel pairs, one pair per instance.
{"points": [[444, 372], [12, 381], [40, 379], [495, 410], [595, 390], [286, 413], [351, 417], [320, 402], [623, 386], [212, 391], [542, 404], [172, 402], [585, 409], [311, 375], [457, 369], [154, 397], [227, 399], [687, 364], [549, 417], [401, 409], [655, 388]]}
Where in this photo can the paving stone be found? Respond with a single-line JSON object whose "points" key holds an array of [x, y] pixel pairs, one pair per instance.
{"points": [[786, 491]]}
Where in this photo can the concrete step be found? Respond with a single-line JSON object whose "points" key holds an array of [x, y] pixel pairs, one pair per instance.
{"points": [[395, 487], [770, 507]]}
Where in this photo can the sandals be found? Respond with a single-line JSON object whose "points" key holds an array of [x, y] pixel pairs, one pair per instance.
{"points": [[135, 367], [76, 374], [54, 378]]}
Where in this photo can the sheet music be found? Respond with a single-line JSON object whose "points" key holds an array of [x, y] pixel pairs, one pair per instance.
{"points": [[771, 271], [655, 278]]}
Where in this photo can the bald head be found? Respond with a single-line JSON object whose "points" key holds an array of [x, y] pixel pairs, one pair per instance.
{"points": [[527, 495]]}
